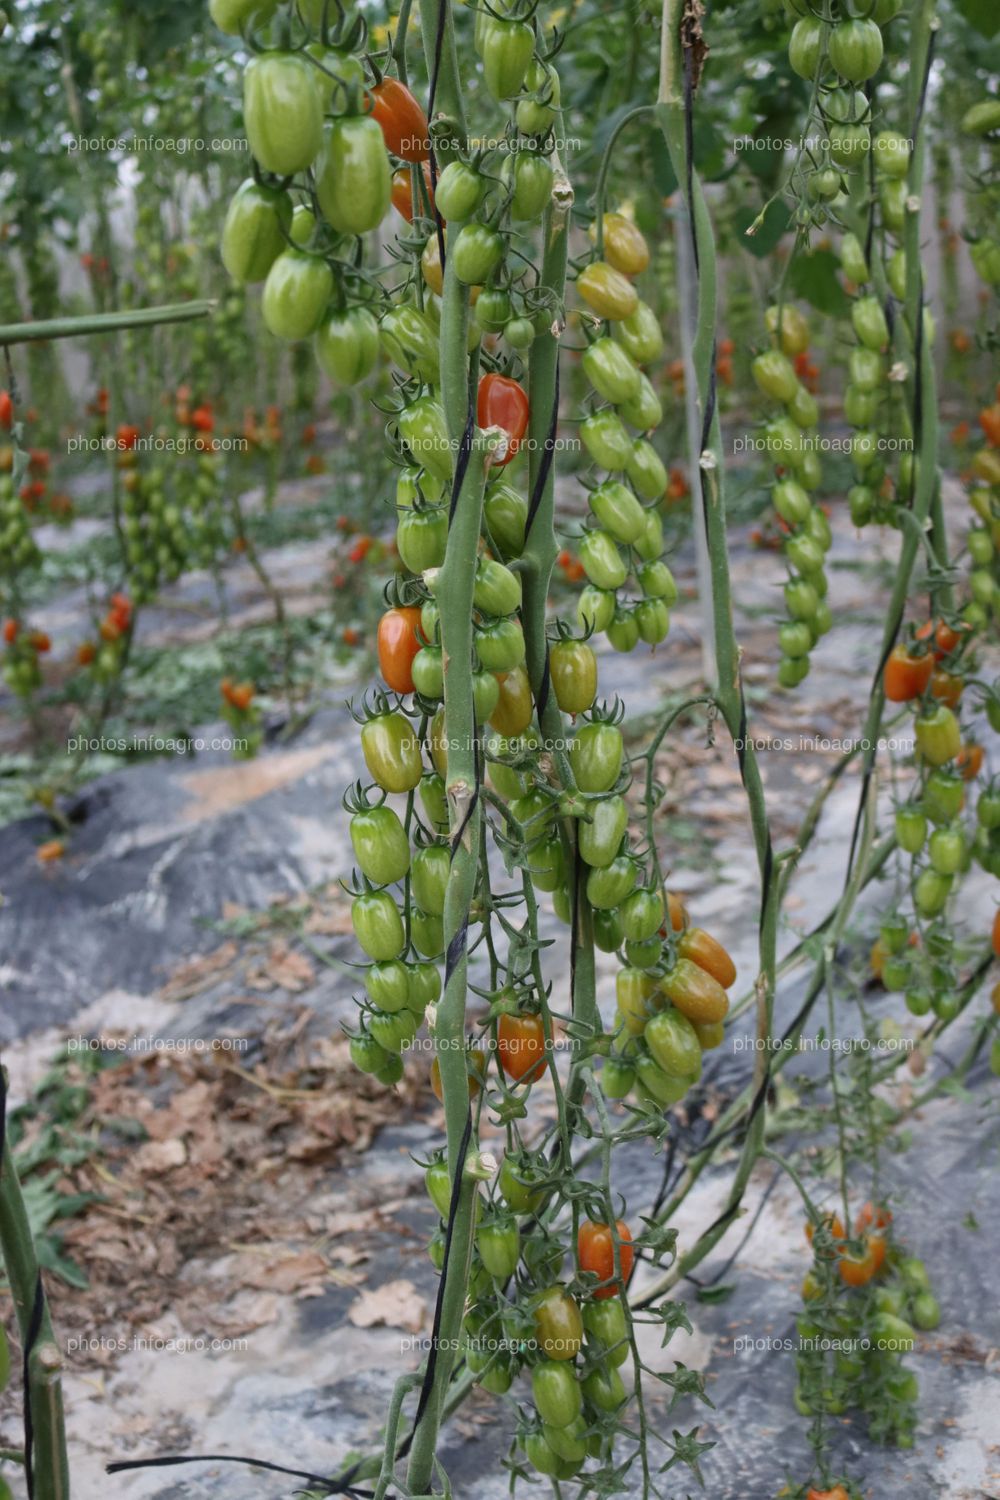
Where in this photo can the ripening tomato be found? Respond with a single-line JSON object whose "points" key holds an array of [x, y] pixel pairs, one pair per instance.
{"points": [[399, 640], [696, 993], [401, 119], [402, 192], [515, 705], [833, 1224], [595, 1250], [858, 1270], [873, 1216], [521, 1046], [391, 750], [938, 735], [708, 954], [674, 1044], [606, 291], [906, 674], [476, 1068], [996, 932], [836, 1493], [596, 757], [625, 246], [501, 402], [558, 1325]]}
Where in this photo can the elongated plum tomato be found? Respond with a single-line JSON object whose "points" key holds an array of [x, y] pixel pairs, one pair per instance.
{"points": [[392, 752], [501, 402], [610, 294], [402, 192], [595, 1251], [296, 293], [399, 641], [401, 119], [859, 1270], [573, 669], [282, 112], [906, 674], [252, 236], [347, 345], [521, 1046], [703, 949], [475, 1067], [353, 176], [696, 994], [625, 246], [557, 1393], [380, 845], [558, 1325]]}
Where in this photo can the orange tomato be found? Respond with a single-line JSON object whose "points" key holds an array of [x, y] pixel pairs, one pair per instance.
{"points": [[595, 1249], [947, 687], [969, 760], [51, 850], [989, 421], [676, 911], [476, 1066], [399, 640], [833, 1223], [872, 1216], [859, 1270], [521, 1046], [708, 954], [996, 932], [402, 191], [906, 676], [401, 119]]}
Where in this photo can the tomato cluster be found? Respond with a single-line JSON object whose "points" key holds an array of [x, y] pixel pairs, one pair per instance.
{"points": [[22, 648], [790, 440], [863, 1298], [624, 535]]}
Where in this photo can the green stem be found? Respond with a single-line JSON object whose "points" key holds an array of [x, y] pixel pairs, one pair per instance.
{"points": [[70, 328]]}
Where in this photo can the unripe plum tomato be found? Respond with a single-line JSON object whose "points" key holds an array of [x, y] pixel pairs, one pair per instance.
{"points": [[296, 294], [498, 1241], [353, 176], [252, 236], [558, 1324], [531, 179], [399, 640], [611, 371], [640, 335], [805, 46], [595, 1251], [506, 48], [618, 510], [600, 839], [501, 402], [282, 112], [401, 120], [518, 1185], [380, 845], [855, 49], [230, 15], [596, 757], [603, 563], [605, 438], [505, 511], [696, 993], [460, 191], [378, 926], [708, 954], [606, 1323], [391, 750], [521, 1046], [938, 735], [476, 253], [556, 1391], [674, 1045], [347, 345], [573, 670], [606, 291]]}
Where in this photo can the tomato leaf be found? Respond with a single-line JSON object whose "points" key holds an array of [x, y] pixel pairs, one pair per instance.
{"points": [[982, 15], [814, 277]]}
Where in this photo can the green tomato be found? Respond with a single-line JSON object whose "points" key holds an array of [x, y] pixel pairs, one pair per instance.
{"points": [[558, 1324], [855, 49], [388, 985], [426, 933], [646, 470], [459, 192], [434, 800], [424, 431], [852, 259], [253, 234], [606, 1323], [775, 375], [347, 345], [596, 757], [602, 561], [642, 915], [595, 608], [608, 933], [380, 845], [392, 752], [428, 672], [649, 546], [425, 987], [611, 371], [657, 582], [640, 334], [506, 49], [378, 925], [410, 340], [599, 840], [644, 410], [537, 112], [623, 632], [556, 1391], [791, 501], [801, 599], [499, 644], [296, 293], [608, 885], [498, 1241], [674, 1044], [806, 46], [617, 1078], [604, 436], [429, 878], [531, 178], [282, 112], [570, 1442], [518, 1184], [604, 1388], [930, 892], [231, 15], [869, 323], [393, 1030], [354, 177], [421, 538], [505, 511], [476, 253], [496, 591], [366, 1053], [618, 511], [573, 673], [938, 735]]}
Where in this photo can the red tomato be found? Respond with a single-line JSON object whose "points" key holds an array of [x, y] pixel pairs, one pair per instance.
{"points": [[6, 409], [873, 1216], [10, 629], [399, 640], [832, 1222], [946, 637], [996, 932], [595, 1251], [502, 403], [202, 419], [402, 121], [521, 1046], [126, 436]]}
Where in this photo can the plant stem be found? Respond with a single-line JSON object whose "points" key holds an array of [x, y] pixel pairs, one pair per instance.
{"points": [[69, 328]]}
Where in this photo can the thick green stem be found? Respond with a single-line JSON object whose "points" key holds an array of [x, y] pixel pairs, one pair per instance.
{"points": [[455, 597], [671, 115], [69, 328], [51, 1466]]}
